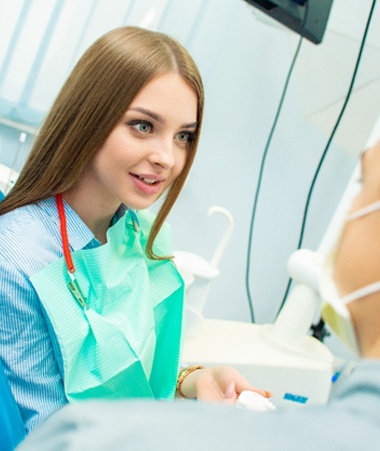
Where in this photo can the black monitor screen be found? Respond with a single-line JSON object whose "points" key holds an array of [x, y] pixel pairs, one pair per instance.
{"points": [[306, 17]]}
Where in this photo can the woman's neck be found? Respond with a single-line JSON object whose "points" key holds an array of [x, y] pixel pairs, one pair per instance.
{"points": [[97, 218]]}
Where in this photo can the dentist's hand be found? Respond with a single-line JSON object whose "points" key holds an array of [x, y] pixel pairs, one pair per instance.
{"points": [[220, 383]]}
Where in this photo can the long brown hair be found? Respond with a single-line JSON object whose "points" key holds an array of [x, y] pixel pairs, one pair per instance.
{"points": [[95, 96]]}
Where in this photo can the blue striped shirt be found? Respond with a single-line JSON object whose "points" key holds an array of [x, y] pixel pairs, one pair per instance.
{"points": [[29, 241]]}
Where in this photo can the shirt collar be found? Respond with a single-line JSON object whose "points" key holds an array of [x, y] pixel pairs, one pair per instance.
{"points": [[80, 236]]}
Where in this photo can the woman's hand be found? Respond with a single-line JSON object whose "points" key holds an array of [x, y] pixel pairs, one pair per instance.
{"points": [[220, 383]]}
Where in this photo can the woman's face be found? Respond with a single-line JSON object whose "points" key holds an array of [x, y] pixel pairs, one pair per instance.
{"points": [[147, 149]]}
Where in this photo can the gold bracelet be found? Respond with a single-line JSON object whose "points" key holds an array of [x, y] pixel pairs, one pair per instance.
{"points": [[182, 376]]}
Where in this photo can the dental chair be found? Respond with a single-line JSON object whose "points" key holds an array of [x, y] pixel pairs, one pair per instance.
{"points": [[12, 429]]}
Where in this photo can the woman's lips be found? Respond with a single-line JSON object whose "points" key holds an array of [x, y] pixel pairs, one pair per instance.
{"points": [[147, 183]]}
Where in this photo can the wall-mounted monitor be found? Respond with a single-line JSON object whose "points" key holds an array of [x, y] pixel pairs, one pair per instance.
{"points": [[306, 17]]}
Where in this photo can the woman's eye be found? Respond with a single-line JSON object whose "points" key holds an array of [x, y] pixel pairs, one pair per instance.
{"points": [[185, 137], [141, 126]]}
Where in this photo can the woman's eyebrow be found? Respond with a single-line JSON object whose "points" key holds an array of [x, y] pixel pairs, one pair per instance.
{"points": [[192, 125], [153, 115], [158, 117]]}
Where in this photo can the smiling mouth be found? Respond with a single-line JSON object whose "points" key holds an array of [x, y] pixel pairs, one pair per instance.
{"points": [[148, 181]]}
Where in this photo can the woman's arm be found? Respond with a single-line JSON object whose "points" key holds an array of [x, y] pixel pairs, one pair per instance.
{"points": [[26, 348], [219, 383]]}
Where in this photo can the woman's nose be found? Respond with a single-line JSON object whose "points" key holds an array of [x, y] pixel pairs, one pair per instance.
{"points": [[162, 153]]}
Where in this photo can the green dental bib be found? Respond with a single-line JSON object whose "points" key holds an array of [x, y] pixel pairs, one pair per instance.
{"points": [[126, 344]]}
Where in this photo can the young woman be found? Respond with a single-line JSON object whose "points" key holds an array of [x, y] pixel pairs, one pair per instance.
{"points": [[90, 301]]}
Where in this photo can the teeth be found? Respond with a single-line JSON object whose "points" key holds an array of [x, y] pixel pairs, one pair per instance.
{"points": [[148, 181]]}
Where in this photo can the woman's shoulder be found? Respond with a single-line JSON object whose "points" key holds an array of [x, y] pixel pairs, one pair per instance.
{"points": [[28, 233], [23, 221]]}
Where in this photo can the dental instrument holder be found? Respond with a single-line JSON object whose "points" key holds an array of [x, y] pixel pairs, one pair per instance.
{"points": [[279, 357], [198, 275]]}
